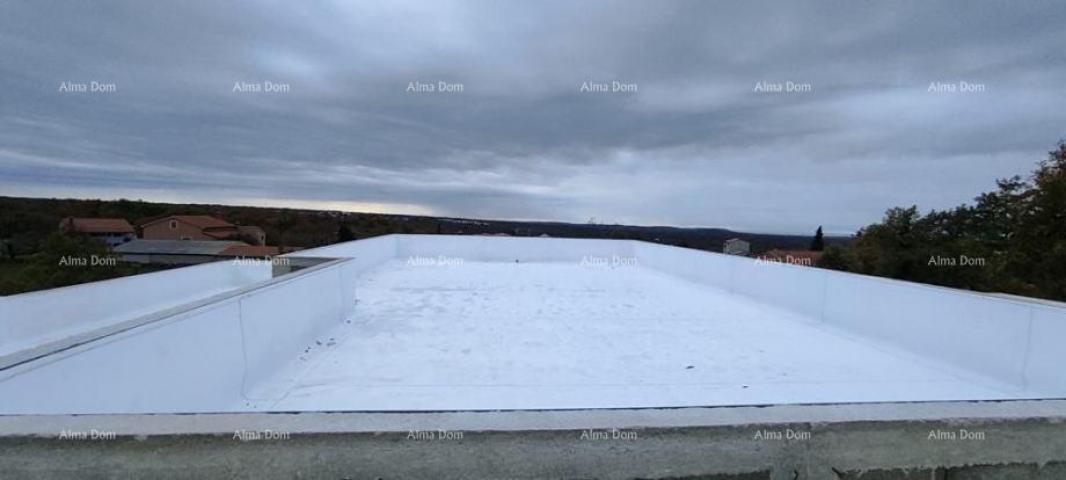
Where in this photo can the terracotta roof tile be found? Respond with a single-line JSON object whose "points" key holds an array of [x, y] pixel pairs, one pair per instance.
{"points": [[199, 221], [98, 225], [203, 221]]}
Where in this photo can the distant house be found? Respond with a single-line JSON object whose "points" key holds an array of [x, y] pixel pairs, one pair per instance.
{"points": [[113, 231], [794, 257], [188, 252], [200, 227], [736, 246]]}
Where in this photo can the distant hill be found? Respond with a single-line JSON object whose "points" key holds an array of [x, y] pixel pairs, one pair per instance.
{"points": [[699, 238], [26, 222]]}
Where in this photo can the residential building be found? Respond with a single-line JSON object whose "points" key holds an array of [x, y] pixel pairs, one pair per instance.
{"points": [[113, 231], [200, 227], [736, 246], [189, 252]]}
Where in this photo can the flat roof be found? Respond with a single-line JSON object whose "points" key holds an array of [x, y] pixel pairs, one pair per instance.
{"points": [[176, 247], [473, 335], [420, 323]]}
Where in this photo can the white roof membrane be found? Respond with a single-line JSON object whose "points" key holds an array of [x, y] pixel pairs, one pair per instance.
{"points": [[496, 335]]}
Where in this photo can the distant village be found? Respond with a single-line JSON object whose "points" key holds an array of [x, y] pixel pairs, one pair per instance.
{"points": [[175, 239], [193, 239]]}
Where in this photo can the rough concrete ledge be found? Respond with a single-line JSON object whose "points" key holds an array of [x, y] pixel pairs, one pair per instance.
{"points": [[1019, 439]]}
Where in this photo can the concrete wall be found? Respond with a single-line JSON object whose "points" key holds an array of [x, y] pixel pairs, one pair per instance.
{"points": [[200, 359], [1004, 440], [37, 318]]}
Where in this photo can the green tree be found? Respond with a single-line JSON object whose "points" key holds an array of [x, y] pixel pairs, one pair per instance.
{"points": [[1010, 240], [834, 258]]}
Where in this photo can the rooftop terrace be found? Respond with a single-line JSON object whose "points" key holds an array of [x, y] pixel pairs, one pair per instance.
{"points": [[433, 323], [518, 350]]}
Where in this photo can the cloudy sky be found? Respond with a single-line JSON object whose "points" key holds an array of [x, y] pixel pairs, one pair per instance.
{"points": [[694, 139]]}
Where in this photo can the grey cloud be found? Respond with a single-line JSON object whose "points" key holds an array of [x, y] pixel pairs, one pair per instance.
{"points": [[693, 146]]}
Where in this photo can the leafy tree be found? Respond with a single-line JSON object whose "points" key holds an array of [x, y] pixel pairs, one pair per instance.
{"points": [[834, 257], [66, 260]]}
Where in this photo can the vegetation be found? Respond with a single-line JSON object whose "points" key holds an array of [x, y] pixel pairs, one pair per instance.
{"points": [[818, 242], [344, 234], [64, 260], [30, 248], [1011, 240]]}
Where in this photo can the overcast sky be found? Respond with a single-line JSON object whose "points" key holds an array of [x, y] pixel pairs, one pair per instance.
{"points": [[698, 143]]}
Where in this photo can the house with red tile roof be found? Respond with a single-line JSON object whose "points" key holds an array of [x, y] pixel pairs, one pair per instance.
{"points": [[113, 231], [200, 227]]}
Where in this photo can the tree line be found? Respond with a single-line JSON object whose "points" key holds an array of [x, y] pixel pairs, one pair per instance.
{"points": [[1011, 240]]}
